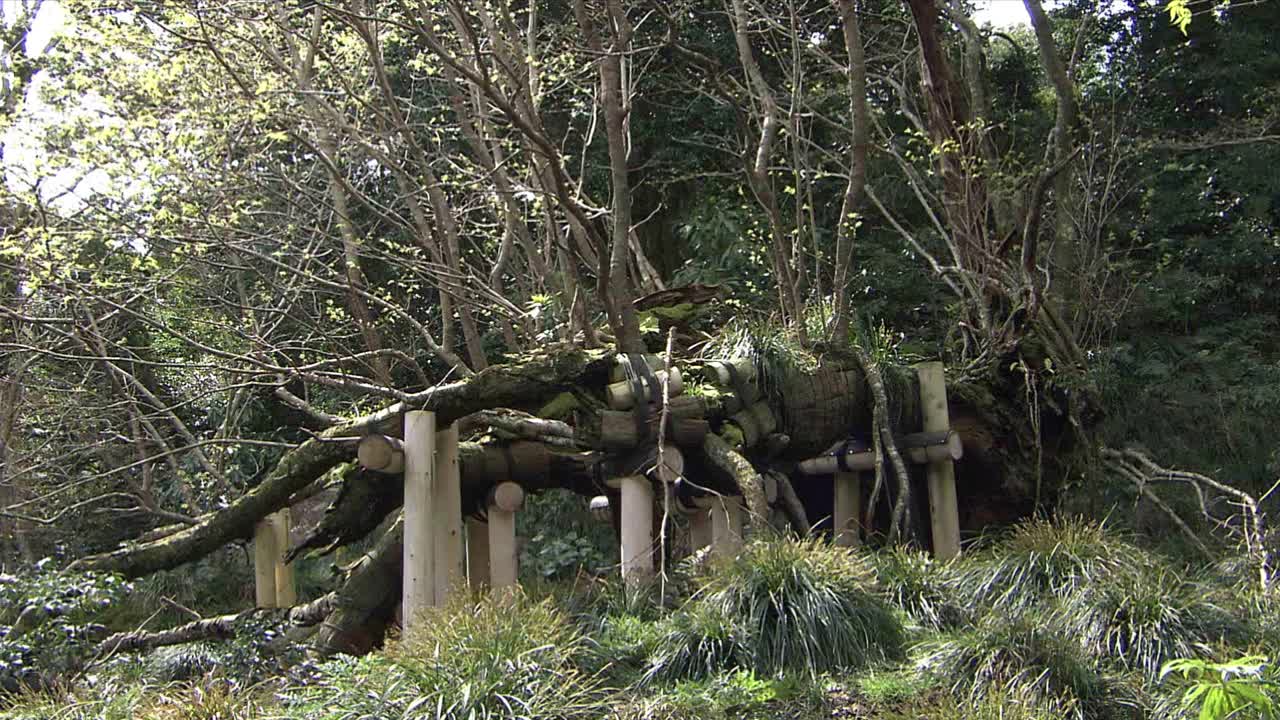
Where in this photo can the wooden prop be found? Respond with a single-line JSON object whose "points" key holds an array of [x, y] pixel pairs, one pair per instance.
{"points": [[726, 524], [449, 569], [418, 586], [504, 500], [637, 527], [286, 590], [381, 453], [756, 423], [738, 377], [599, 508], [621, 396], [477, 554], [944, 513], [266, 556], [920, 448], [848, 500], [619, 431]]}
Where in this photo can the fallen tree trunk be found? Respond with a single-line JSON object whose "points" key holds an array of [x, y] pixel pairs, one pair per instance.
{"points": [[223, 627], [497, 386]]}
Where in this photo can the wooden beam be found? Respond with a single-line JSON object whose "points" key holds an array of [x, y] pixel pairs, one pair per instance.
{"points": [[944, 514], [848, 499], [418, 586], [477, 554], [450, 571], [919, 448], [700, 529], [286, 590], [266, 555], [504, 562]]}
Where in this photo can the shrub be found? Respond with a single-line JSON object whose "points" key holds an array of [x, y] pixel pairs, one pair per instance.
{"points": [[1018, 656], [1143, 618], [739, 695], [1225, 690], [915, 583], [1044, 559], [48, 622], [697, 642], [497, 658], [783, 605]]}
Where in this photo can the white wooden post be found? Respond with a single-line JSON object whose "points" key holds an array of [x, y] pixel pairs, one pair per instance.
{"points": [[419, 499], [504, 563], [637, 528], [286, 590], [844, 518], [726, 525], [266, 555], [477, 554], [449, 569], [944, 514]]}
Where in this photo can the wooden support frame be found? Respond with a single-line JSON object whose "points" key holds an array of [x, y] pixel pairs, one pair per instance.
{"points": [[450, 572], [418, 586], [944, 512]]}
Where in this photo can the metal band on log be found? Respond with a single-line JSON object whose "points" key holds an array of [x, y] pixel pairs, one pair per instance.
{"points": [[621, 395], [921, 448]]}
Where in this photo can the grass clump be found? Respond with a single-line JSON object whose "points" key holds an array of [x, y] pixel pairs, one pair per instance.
{"points": [[1044, 559], [781, 606], [736, 695], [1144, 618], [1018, 656], [496, 658], [917, 584]]}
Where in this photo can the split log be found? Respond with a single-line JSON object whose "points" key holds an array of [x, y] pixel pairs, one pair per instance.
{"points": [[511, 385]]}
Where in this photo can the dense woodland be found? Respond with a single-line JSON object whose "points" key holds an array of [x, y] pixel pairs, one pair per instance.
{"points": [[239, 237]]}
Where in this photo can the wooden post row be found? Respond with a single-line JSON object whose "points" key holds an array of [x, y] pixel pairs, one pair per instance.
{"points": [[944, 514]]}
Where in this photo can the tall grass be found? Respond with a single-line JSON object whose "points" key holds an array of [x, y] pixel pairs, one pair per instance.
{"points": [[493, 659], [1044, 559], [1019, 656], [782, 606], [1143, 618], [920, 586]]}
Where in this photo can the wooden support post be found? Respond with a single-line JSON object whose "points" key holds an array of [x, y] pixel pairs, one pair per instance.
{"points": [[286, 590], [944, 515], [699, 529], [726, 525], [266, 556], [419, 592], [504, 563], [449, 568], [848, 499], [477, 554], [637, 528]]}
